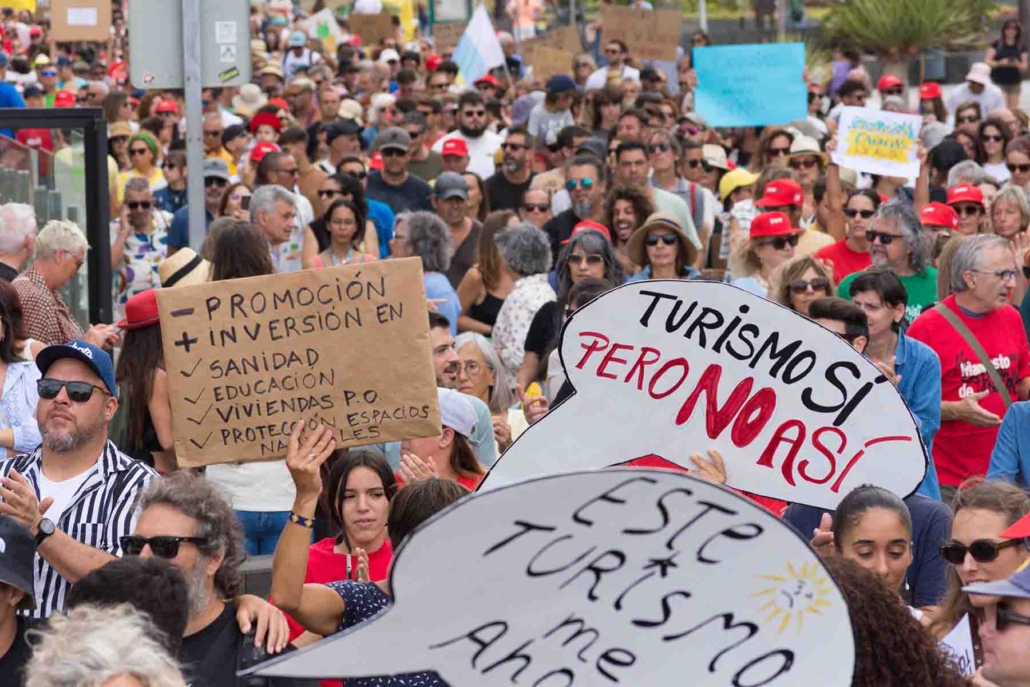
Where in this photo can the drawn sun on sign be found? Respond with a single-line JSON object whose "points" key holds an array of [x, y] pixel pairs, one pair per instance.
{"points": [[792, 596]]}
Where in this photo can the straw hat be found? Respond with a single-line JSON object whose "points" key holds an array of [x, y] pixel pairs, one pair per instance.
{"points": [[249, 100], [805, 146], [660, 220], [184, 268]]}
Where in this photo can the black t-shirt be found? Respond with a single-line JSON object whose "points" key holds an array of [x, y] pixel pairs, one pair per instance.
{"points": [[543, 330], [558, 229], [413, 194], [465, 256], [7, 273], [13, 662], [504, 195]]}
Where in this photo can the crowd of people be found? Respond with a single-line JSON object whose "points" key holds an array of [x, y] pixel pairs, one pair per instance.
{"points": [[524, 199]]}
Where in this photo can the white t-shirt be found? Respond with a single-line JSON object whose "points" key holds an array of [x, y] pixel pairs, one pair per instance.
{"points": [[63, 493], [264, 487], [991, 99], [292, 63], [481, 151], [999, 171], [599, 79]]}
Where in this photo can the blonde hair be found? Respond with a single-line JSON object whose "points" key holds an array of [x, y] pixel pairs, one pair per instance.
{"points": [[1012, 194], [944, 265], [59, 234], [794, 270], [91, 645]]}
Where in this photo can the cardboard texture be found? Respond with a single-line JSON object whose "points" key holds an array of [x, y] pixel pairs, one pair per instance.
{"points": [[448, 35], [649, 34], [345, 346], [565, 38], [80, 20], [372, 28], [547, 61]]}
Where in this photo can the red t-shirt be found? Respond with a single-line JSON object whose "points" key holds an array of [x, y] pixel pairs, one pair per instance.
{"points": [[961, 450], [845, 261]]}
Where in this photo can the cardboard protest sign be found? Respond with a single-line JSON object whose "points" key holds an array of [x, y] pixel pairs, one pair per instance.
{"points": [[372, 28], [959, 645], [670, 368], [649, 34], [447, 35], [547, 61], [565, 38], [323, 25], [80, 20], [647, 578], [878, 142], [249, 358], [751, 85]]}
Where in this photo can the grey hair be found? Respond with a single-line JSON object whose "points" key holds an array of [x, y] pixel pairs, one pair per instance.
{"points": [[430, 239], [969, 256], [592, 242], [1015, 195], [59, 234], [919, 246], [966, 172], [92, 644], [525, 249], [502, 393], [17, 223], [200, 499], [137, 185], [380, 101], [265, 198]]}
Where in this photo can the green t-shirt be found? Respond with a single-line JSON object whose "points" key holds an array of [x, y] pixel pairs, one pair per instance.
{"points": [[921, 288]]}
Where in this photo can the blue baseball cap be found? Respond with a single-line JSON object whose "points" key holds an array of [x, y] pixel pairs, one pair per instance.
{"points": [[95, 357], [1017, 586]]}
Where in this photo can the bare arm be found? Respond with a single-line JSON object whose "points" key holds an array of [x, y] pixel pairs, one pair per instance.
{"points": [[527, 371], [921, 195], [161, 410], [371, 239], [836, 223], [991, 58], [470, 292], [72, 559]]}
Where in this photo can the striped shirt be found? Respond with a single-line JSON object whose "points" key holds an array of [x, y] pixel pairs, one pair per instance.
{"points": [[100, 514]]}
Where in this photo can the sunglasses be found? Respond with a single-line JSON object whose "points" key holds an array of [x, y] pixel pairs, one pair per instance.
{"points": [[883, 237], [703, 164], [117, 140], [776, 152], [994, 138], [48, 72], [327, 193], [804, 163], [169, 166], [516, 147], [163, 547], [137, 204], [667, 239], [1020, 169], [612, 51], [474, 113], [898, 90], [138, 151], [535, 207], [968, 120], [660, 148], [864, 214], [391, 152], [802, 285], [214, 181], [358, 175], [971, 210], [591, 260], [1005, 617], [79, 392], [585, 184], [780, 242], [982, 550]]}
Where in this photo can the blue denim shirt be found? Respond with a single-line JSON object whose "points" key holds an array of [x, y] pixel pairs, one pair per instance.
{"points": [[18, 408], [1010, 459], [645, 274], [920, 386]]}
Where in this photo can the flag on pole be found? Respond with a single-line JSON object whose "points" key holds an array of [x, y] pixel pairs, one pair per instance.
{"points": [[478, 51]]}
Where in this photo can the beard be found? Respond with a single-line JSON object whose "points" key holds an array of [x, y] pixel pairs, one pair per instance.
{"points": [[196, 580], [67, 442], [511, 166], [584, 209], [448, 379], [469, 132]]}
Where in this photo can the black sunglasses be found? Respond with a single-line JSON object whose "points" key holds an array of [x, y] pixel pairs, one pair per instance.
{"points": [[170, 166], [1021, 169], [667, 239], [163, 547], [883, 237], [539, 207], [79, 392], [982, 550], [781, 242], [138, 151], [358, 175], [817, 284], [995, 138], [806, 163], [1005, 617], [513, 146], [968, 120], [327, 193], [660, 148], [211, 181], [967, 210], [774, 152], [137, 204], [864, 214], [894, 91], [393, 152], [117, 140]]}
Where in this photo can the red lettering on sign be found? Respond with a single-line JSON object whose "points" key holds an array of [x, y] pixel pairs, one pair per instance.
{"points": [[609, 358], [592, 347], [753, 417], [821, 448], [642, 362]]}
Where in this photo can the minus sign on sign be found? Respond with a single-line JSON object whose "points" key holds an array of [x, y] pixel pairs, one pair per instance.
{"points": [[185, 312]]}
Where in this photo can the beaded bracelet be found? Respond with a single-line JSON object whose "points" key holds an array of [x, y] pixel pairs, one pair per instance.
{"points": [[302, 521]]}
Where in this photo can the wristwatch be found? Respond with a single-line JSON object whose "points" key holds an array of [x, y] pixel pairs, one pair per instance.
{"points": [[45, 529]]}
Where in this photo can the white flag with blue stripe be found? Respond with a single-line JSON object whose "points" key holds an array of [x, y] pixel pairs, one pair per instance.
{"points": [[478, 51]]}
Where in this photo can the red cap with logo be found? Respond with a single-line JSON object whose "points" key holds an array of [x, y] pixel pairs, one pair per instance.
{"points": [[261, 149], [965, 194], [455, 146], [772, 224], [781, 193], [64, 98], [888, 81], [929, 91], [939, 215], [589, 225], [166, 106]]}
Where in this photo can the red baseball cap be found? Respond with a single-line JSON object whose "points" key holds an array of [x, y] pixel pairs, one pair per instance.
{"points": [[166, 106], [64, 98], [781, 193], [456, 147], [489, 78], [888, 81], [965, 194], [772, 224], [939, 215], [929, 91], [1020, 529], [36, 31], [280, 103], [140, 311], [376, 161], [588, 225], [261, 149], [433, 61]]}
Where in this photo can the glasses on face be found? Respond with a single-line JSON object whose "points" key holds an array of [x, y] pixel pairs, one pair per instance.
{"points": [[163, 547], [535, 207], [864, 214], [777, 152], [802, 285], [781, 242], [585, 184], [473, 113], [358, 174], [612, 51], [214, 181], [982, 550], [897, 90], [883, 237], [1018, 169], [514, 147], [169, 167], [591, 260], [1004, 275], [133, 152], [471, 367], [968, 119], [393, 152], [292, 172], [48, 72], [992, 138], [79, 392], [667, 239], [660, 148], [804, 163], [970, 210], [139, 204], [1004, 617], [327, 193], [118, 140]]}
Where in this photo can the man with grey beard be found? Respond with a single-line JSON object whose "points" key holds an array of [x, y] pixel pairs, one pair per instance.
{"points": [[75, 493], [185, 520], [506, 188]]}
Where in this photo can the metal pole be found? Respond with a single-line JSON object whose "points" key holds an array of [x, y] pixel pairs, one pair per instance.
{"points": [[194, 121], [702, 15], [781, 20]]}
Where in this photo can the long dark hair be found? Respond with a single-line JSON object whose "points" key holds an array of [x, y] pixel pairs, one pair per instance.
{"points": [[142, 354], [240, 251], [1003, 131], [13, 323], [336, 484], [463, 458], [359, 221], [591, 242], [484, 202]]}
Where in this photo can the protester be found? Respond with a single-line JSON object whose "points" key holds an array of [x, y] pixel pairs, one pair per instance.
{"points": [[851, 253], [1007, 58], [662, 249], [394, 184], [424, 163], [483, 376], [345, 223], [536, 207], [143, 156], [506, 189], [17, 240], [771, 244], [585, 182], [873, 527], [16, 595], [632, 170], [801, 281], [482, 143], [526, 259], [486, 284]]}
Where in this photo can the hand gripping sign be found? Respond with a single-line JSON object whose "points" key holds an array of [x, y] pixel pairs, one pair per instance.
{"points": [[635, 577], [673, 367]]}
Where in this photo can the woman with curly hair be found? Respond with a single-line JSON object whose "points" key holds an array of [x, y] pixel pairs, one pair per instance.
{"points": [[773, 149], [625, 209], [891, 648]]}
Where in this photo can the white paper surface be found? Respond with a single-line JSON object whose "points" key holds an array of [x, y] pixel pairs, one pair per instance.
{"points": [[878, 142], [82, 16]]}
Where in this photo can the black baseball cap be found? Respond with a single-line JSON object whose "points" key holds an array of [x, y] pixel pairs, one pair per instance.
{"points": [[17, 554]]}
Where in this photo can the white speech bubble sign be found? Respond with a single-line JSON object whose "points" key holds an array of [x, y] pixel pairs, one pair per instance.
{"points": [[672, 368], [628, 576]]}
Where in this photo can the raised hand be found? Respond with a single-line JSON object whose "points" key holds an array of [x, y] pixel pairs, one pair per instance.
{"points": [[306, 456]]}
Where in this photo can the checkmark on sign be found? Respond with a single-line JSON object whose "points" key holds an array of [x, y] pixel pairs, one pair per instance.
{"points": [[201, 420], [190, 373], [194, 441], [193, 401]]}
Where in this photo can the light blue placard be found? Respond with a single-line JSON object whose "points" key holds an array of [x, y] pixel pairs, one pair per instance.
{"points": [[751, 85]]}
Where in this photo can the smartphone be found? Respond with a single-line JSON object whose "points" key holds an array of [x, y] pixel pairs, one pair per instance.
{"points": [[245, 203]]}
